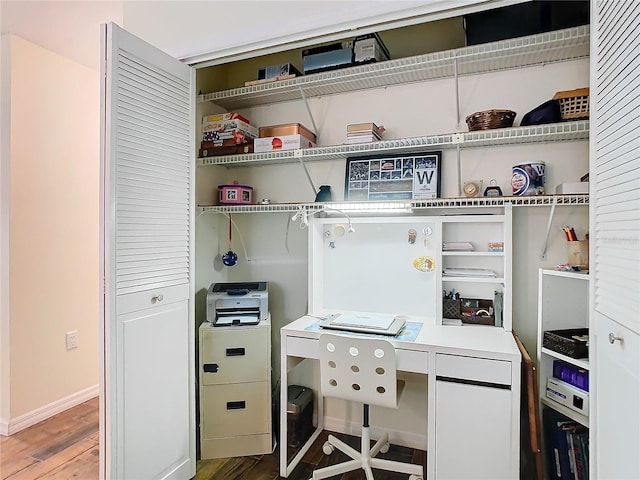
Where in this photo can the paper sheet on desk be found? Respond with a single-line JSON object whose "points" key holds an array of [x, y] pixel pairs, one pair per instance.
{"points": [[408, 333]]}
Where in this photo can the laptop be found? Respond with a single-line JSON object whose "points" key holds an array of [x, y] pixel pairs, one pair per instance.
{"points": [[364, 322]]}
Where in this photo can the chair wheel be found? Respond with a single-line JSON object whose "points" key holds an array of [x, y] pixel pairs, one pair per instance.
{"points": [[385, 449], [327, 448], [415, 477]]}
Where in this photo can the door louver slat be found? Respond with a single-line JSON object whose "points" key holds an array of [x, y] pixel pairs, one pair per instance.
{"points": [[152, 185]]}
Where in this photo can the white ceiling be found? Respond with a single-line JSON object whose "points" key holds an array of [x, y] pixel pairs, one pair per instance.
{"points": [[69, 28]]}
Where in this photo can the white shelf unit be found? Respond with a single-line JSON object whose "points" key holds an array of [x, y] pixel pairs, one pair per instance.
{"points": [[563, 303], [480, 230]]}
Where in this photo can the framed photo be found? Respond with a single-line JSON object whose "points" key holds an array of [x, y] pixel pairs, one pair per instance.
{"points": [[393, 176]]}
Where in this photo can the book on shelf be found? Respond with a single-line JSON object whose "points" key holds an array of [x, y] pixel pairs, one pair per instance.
{"points": [[567, 460], [457, 246], [468, 272], [362, 139], [365, 127]]}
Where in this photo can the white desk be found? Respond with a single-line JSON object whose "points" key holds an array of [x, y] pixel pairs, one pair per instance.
{"points": [[473, 400]]}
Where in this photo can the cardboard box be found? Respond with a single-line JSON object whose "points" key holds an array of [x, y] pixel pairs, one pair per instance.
{"points": [[287, 129], [369, 48], [282, 142], [234, 130], [275, 71], [327, 57]]}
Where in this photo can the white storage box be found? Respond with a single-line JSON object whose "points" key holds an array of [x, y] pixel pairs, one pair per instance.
{"points": [[282, 142], [571, 188]]}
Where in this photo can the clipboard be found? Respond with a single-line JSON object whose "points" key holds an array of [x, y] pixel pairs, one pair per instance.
{"points": [[363, 322]]}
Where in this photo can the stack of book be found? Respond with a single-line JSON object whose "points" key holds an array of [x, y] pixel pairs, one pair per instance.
{"points": [[364, 132], [567, 444]]}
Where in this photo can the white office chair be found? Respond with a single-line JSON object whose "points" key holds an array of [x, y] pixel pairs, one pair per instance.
{"points": [[361, 369]]}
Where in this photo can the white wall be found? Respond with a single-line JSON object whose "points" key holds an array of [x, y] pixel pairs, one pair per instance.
{"points": [[53, 232]]}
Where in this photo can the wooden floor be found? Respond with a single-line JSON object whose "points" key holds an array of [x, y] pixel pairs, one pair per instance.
{"points": [[62, 447], [265, 467], [66, 447]]}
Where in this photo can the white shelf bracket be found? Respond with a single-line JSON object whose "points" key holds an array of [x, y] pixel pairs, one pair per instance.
{"points": [[313, 122], [543, 253], [315, 130], [459, 172], [455, 76]]}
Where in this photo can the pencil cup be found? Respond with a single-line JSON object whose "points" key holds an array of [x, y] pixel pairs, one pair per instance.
{"points": [[578, 253]]}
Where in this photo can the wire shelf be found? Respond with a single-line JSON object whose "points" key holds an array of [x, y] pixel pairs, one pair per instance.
{"points": [[407, 206], [560, 45], [578, 130]]}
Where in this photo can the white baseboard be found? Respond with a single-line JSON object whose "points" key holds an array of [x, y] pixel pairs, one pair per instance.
{"points": [[14, 425], [405, 439]]}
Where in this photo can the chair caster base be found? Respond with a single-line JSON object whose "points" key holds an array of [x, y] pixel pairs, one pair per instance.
{"points": [[385, 449], [327, 448], [415, 477]]}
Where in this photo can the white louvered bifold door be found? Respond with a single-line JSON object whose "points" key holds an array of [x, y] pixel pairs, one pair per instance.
{"points": [[148, 161], [615, 240]]}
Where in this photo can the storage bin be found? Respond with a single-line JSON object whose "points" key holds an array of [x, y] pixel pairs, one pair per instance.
{"points": [[489, 119], [571, 342], [574, 104]]}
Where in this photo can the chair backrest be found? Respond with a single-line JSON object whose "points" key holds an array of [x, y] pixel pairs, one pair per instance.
{"points": [[361, 369]]}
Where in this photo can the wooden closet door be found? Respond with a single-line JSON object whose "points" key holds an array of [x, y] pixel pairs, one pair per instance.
{"points": [[148, 418]]}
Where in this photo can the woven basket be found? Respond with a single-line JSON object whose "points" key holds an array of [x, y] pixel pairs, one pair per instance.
{"points": [[489, 119], [574, 104]]}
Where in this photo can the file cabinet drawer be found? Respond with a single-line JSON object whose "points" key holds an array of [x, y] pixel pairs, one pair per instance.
{"points": [[234, 354], [236, 409]]}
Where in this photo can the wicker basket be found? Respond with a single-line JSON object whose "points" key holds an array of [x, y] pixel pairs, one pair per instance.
{"points": [[489, 119], [574, 104]]}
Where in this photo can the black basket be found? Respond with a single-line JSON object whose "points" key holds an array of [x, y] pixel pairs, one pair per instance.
{"points": [[571, 342]]}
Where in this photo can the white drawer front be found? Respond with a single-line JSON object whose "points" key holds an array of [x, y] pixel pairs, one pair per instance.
{"points": [[234, 354], [473, 369], [412, 361], [303, 347], [133, 302]]}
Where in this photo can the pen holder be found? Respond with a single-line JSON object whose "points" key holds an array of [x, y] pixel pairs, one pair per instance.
{"points": [[578, 254], [451, 308]]}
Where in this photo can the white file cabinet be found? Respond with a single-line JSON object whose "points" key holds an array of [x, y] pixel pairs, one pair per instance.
{"points": [[235, 390]]}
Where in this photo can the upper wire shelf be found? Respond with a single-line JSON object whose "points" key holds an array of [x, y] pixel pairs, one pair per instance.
{"points": [[550, 47]]}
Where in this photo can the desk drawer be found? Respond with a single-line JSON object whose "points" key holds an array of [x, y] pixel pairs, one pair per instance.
{"points": [[407, 360], [412, 361], [473, 369]]}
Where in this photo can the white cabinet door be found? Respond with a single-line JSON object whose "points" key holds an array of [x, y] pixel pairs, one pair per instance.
{"points": [[147, 147], [615, 254], [476, 412]]}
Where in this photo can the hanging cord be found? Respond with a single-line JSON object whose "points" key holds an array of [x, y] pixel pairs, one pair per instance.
{"points": [[304, 215], [231, 222]]}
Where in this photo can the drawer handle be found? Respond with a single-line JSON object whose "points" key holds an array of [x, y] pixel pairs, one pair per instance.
{"points": [[613, 339], [235, 352], [210, 367], [157, 298], [236, 405]]}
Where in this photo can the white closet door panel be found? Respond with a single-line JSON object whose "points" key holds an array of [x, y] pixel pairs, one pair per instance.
{"points": [[615, 239], [149, 391]]}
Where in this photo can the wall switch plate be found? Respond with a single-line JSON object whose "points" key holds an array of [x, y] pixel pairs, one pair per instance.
{"points": [[72, 340]]}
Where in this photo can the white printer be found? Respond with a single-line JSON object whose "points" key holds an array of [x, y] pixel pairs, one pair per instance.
{"points": [[238, 303]]}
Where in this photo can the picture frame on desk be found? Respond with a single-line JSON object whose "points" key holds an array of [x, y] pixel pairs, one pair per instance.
{"points": [[394, 176]]}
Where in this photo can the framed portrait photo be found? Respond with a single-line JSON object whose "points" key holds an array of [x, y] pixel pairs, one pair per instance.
{"points": [[393, 176]]}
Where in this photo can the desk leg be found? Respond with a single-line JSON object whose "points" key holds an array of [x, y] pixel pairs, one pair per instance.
{"points": [[285, 468]]}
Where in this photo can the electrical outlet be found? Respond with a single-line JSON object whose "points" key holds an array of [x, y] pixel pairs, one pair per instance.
{"points": [[72, 340]]}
